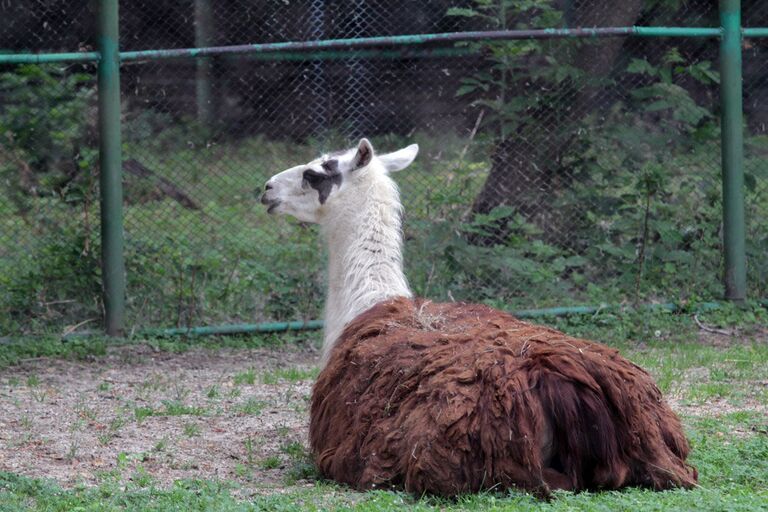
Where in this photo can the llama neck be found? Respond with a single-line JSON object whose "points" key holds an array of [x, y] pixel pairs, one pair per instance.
{"points": [[364, 257]]}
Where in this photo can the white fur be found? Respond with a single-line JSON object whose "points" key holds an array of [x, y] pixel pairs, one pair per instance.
{"points": [[361, 224]]}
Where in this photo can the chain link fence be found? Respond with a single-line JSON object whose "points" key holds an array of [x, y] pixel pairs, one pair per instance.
{"points": [[756, 155], [552, 172]]}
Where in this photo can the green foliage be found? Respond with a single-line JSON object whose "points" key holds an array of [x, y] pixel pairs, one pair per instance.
{"points": [[64, 279], [44, 139], [633, 195], [523, 79], [230, 263], [667, 202], [756, 178], [142, 413], [646, 186], [47, 162]]}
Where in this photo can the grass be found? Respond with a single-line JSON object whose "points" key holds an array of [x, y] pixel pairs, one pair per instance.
{"points": [[13, 351], [271, 462], [113, 428], [289, 374], [301, 465], [170, 408], [246, 377], [734, 476], [191, 429], [142, 413], [251, 406], [177, 408]]}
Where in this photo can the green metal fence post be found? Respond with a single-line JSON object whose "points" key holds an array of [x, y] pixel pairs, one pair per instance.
{"points": [[110, 161], [203, 38], [734, 230]]}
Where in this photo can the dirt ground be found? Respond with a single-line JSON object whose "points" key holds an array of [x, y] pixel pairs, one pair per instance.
{"points": [[227, 414], [139, 414]]}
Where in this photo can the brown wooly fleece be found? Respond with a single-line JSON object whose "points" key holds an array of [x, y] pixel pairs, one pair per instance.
{"points": [[454, 398]]}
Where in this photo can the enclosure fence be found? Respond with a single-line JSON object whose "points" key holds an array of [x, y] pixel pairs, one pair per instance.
{"points": [[574, 154]]}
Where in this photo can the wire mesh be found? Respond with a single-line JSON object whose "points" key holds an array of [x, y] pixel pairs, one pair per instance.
{"points": [[551, 173], [755, 168], [49, 246]]}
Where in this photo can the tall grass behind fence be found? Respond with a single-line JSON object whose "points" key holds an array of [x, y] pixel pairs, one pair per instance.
{"points": [[552, 171]]}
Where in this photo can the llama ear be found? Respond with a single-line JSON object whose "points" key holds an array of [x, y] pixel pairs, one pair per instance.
{"points": [[400, 159], [364, 154]]}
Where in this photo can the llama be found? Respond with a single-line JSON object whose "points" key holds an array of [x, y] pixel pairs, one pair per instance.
{"points": [[456, 398]]}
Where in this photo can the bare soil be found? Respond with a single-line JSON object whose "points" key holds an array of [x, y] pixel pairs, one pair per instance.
{"points": [[80, 422]]}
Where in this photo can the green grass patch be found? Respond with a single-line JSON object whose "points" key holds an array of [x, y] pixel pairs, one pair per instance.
{"points": [[301, 465], [251, 406], [177, 408], [245, 377], [191, 429], [13, 351], [271, 462], [289, 374], [142, 413]]}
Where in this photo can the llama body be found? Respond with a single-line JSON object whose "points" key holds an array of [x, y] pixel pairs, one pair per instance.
{"points": [[454, 398]]}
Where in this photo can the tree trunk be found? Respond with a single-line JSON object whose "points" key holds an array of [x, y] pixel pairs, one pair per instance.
{"points": [[524, 169], [597, 59]]}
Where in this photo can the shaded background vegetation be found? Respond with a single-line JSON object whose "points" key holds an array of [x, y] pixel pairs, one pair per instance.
{"points": [[552, 172]]}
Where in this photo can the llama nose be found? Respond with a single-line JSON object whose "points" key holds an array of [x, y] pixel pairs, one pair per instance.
{"points": [[267, 187]]}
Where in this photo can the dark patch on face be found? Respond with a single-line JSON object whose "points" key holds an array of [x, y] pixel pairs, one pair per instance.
{"points": [[324, 182], [331, 167]]}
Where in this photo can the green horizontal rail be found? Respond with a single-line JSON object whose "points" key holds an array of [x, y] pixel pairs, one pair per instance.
{"points": [[233, 329], [402, 53], [415, 39], [364, 42], [367, 42], [45, 58], [676, 31], [755, 32], [271, 327], [590, 310]]}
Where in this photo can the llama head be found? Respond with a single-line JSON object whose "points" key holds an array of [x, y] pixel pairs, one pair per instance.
{"points": [[308, 191]]}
